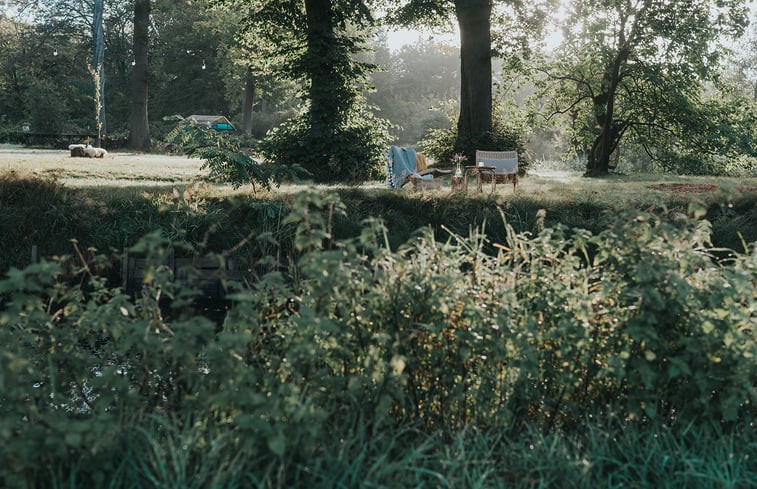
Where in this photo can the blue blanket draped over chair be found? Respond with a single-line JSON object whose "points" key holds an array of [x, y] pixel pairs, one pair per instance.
{"points": [[400, 164]]}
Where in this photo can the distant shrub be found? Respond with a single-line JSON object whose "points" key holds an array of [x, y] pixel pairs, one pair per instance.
{"points": [[731, 165], [637, 159], [8, 135], [262, 122], [348, 152]]}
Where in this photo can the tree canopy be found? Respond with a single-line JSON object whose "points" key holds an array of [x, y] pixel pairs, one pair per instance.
{"points": [[634, 70]]}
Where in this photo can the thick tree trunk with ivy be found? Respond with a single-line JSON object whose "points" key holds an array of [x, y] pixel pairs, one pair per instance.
{"points": [[598, 163], [338, 139], [139, 129], [327, 97], [475, 121]]}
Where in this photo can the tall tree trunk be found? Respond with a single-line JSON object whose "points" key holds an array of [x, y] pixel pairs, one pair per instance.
{"points": [[139, 131], [598, 163], [320, 51], [249, 101], [609, 136], [475, 121]]}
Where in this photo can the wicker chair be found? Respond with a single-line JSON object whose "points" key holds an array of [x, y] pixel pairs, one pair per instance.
{"points": [[505, 165]]}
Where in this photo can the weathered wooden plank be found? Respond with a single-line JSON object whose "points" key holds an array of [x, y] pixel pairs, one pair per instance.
{"points": [[204, 273]]}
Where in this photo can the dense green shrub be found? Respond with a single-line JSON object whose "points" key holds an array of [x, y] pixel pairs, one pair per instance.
{"points": [[350, 150], [509, 133], [693, 163], [637, 325]]}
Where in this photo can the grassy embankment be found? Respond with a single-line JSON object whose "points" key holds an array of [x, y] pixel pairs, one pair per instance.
{"points": [[47, 199]]}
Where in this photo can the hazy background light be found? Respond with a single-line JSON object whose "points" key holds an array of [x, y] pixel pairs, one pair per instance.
{"points": [[402, 37]]}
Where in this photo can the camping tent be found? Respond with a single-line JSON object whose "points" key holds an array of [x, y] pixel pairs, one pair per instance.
{"points": [[217, 122]]}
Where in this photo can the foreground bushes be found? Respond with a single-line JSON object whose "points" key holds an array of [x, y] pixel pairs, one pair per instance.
{"points": [[634, 329]]}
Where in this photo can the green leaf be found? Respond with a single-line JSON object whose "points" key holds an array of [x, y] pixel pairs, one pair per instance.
{"points": [[277, 444], [72, 439]]}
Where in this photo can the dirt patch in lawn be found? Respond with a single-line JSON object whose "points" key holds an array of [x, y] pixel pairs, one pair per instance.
{"points": [[688, 188], [682, 188]]}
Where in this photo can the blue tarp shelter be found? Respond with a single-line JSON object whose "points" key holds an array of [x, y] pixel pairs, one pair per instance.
{"points": [[216, 122]]}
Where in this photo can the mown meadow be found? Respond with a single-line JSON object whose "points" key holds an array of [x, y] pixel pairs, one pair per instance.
{"points": [[579, 333]]}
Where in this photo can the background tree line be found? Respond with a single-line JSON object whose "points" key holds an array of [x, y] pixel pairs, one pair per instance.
{"points": [[197, 65], [646, 83]]}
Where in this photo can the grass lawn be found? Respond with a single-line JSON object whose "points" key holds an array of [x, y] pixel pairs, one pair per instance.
{"points": [[114, 170], [127, 169]]}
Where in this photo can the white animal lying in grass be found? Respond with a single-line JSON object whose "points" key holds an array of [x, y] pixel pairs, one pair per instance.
{"points": [[86, 150], [91, 152]]}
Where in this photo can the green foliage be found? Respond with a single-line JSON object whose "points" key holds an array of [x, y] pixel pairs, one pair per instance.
{"points": [[44, 76], [520, 22], [441, 143], [222, 155], [637, 326], [353, 152], [509, 132], [193, 61], [54, 92], [210, 218], [636, 73], [721, 140]]}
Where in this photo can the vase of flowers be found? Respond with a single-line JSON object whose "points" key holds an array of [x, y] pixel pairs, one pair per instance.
{"points": [[457, 182], [458, 159]]}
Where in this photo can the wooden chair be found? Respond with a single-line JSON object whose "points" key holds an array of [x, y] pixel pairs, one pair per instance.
{"points": [[505, 165]]}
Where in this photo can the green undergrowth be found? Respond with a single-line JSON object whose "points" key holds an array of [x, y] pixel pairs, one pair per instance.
{"points": [[45, 213], [623, 357], [166, 457]]}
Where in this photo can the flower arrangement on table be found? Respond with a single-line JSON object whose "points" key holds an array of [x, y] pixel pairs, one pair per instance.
{"points": [[457, 182]]}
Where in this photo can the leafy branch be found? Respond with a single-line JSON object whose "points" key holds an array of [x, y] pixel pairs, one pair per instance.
{"points": [[227, 162]]}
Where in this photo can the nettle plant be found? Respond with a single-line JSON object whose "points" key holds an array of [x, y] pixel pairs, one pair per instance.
{"points": [[637, 324]]}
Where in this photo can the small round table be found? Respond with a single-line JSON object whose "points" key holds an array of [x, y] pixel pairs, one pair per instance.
{"points": [[480, 170]]}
